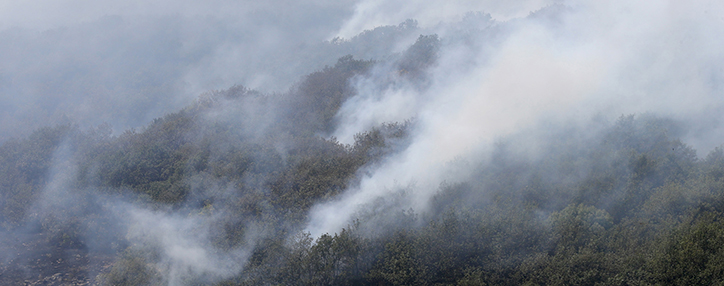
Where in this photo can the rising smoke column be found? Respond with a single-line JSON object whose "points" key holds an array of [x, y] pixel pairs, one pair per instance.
{"points": [[562, 63]]}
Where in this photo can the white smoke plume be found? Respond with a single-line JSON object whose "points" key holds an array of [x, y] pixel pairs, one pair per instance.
{"points": [[185, 251], [563, 63]]}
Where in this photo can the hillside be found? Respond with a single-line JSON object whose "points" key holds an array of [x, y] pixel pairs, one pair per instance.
{"points": [[483, 155], [631, 204]]}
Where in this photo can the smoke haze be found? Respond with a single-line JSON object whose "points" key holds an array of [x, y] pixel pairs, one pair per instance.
{"points": [[462, 78], [127, 63]]}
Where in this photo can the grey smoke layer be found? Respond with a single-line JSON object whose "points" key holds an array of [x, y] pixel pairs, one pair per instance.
{"points": [[127, 63]]}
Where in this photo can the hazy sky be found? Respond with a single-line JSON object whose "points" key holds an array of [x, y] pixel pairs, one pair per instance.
{"points": [[125, 63]]}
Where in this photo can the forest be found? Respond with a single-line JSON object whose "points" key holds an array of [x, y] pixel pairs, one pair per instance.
{"points": [[247, 187]]}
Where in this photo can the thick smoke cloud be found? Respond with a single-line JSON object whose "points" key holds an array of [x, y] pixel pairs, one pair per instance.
{"points": [[561, 64]]}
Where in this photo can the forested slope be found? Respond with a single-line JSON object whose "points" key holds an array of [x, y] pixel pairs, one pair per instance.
{"points": [[219, 193]]}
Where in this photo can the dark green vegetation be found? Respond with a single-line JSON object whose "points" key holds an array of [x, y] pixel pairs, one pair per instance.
{"points": [[628, 205]]}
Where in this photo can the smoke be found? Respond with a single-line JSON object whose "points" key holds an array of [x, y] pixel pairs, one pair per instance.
{"points": [[177, 246], [126, 63], [181, 246], [515, 70], [564, 64]]}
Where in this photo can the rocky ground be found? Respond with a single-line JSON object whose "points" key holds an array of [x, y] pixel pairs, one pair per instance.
{"points": [[31, 259]]}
